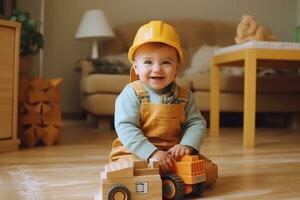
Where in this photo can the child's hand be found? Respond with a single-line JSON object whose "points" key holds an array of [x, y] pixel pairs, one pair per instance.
{"points": [[165, 160], [179, 150]]}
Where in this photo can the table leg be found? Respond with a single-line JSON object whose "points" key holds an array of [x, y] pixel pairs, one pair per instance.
{"points": [[214, 100], [249, 99]]}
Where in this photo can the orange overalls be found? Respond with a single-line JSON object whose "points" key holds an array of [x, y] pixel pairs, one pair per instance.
{"points": [[161, 124]]}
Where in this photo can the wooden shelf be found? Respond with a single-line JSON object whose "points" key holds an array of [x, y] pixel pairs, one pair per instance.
{"points": [[9, 64]]}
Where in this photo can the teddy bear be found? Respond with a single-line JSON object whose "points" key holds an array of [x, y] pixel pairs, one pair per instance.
{"points": [[249, 29]]}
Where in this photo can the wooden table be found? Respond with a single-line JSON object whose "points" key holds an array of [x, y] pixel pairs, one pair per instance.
{"points": [[249, 56]]}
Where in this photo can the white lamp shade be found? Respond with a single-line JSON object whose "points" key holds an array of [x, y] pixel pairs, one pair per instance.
{"points": [[94, 25]]}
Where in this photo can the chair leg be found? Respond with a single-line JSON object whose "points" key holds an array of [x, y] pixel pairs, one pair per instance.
{"points": [[295, 123], [91, 119], [105, 124]]}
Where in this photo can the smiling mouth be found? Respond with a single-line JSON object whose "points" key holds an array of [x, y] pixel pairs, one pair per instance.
{"points": [[157, 78]]}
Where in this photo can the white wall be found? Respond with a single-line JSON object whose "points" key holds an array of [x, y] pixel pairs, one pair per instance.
{"points": [[279, 15], [298, 12], [33, 7], [63, 16]]}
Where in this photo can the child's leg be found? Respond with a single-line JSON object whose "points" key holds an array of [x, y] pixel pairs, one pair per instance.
{"points": [[121, 152], [211, 170]]}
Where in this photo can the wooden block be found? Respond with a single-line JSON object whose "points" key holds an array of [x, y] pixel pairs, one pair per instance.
{"points": [[45, 108], [122, 163], [125, 172], [35, 96], [30, 119], [140, 164], [53, 117], [40, 83], [153, 163], [53, 95], [30, 138], [146, 171], [55, 82], [40, 131], [50, 135], [37, 108], [120, 168]]}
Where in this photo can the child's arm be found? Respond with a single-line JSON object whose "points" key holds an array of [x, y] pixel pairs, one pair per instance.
{"points": [[127, 124], [194, 126]]}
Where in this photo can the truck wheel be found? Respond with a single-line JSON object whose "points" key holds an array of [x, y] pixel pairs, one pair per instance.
{"points": [[173, 187], [197, 189], [118, 192]]}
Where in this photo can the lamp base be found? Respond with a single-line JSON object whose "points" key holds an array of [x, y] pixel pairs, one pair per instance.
{"points": [[95, 50]]}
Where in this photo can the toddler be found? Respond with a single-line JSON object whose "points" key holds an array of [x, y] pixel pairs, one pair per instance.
{"points": [[154, 117]]}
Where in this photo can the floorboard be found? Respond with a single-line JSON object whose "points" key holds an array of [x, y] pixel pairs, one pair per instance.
{"points": [[71, 169]]}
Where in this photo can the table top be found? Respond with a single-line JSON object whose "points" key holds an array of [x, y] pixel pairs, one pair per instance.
{"points": [[258, 45]]}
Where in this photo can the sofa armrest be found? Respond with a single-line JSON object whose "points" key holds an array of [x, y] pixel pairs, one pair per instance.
{"points": [[84, 67]]}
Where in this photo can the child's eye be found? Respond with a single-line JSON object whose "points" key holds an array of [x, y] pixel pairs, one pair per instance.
{"points": [[166, 62], [148, 62]]}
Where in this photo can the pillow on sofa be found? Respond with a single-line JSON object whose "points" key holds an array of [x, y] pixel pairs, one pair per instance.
{"points": [[123, 58], [201, 62], [112, 64]]}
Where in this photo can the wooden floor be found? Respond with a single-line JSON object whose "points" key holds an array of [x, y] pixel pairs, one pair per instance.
{"points": [[71, 169]]}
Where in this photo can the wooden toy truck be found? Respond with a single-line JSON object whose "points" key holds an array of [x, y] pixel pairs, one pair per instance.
{"points": [[127, 180]]}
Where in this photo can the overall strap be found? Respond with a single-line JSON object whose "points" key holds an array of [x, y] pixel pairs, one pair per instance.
{"points": [[183, 95], [140, 90]]}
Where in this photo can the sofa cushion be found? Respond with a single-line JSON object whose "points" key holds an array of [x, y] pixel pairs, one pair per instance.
{"points": [[113, 84], [104, 83], [265, 84], [99, 104]]}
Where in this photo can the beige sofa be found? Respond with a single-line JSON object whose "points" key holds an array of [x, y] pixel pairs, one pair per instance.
{"points": [[275, 93]]}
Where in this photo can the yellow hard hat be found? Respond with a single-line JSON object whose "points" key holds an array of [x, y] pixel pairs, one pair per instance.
{"points": [[155, 31]]}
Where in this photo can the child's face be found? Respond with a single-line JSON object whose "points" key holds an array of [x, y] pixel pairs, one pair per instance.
{"points": [[156, 64]]}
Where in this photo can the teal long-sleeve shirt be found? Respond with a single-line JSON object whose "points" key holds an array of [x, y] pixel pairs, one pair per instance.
{"points": [[128, 126]]}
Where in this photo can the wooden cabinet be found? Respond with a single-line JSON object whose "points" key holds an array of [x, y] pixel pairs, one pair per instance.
{"points": [[9, 64]]}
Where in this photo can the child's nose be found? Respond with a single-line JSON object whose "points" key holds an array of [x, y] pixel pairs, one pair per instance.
{"points": [[156, 67]]}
